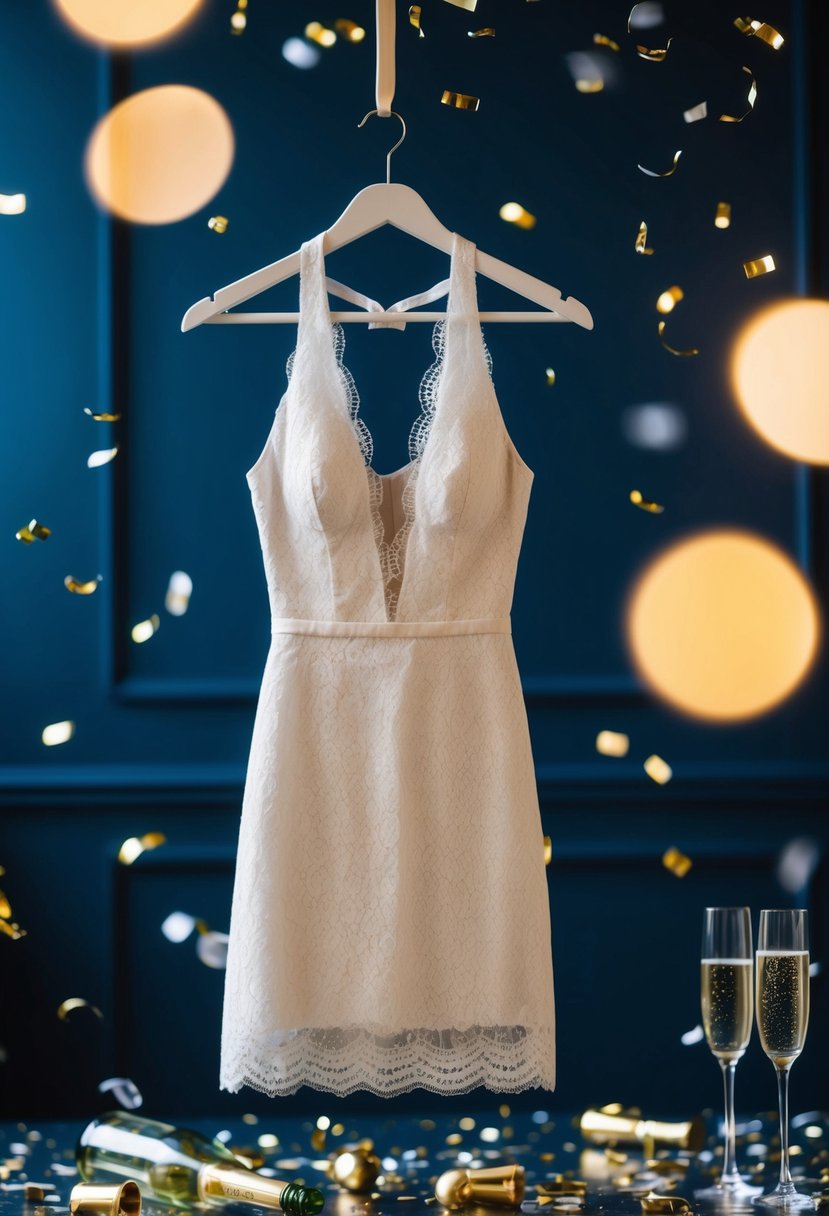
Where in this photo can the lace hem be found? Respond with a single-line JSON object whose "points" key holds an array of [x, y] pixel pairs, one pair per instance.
{"points": [[504, 1059]]}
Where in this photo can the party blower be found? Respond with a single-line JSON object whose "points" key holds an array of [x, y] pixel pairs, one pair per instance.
{"points": [[181, 1166]]}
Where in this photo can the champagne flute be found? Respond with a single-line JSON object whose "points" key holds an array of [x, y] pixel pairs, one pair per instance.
{"points": [[727, 1011], [782, 1018]]}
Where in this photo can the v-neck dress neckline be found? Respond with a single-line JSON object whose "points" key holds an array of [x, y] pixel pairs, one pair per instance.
{"points": [[391, 550]]}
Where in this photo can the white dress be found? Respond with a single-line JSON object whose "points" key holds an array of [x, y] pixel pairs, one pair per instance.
{"points": [[390, 922]]}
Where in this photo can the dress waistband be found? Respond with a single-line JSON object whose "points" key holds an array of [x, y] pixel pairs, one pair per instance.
{"points": [[390, 629]]}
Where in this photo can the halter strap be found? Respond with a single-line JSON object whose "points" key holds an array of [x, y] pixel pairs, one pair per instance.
{"points": [[357, 297]]}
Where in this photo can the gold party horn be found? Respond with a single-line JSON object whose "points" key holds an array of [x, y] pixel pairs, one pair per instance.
{"points": [[501, 1185], [602, 1128], [108, 1199]]}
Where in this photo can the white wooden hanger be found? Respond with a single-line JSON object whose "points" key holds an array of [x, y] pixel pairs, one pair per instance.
{"points": [[385, 203]]}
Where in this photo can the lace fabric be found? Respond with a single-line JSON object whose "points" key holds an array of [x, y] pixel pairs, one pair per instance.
{"points": [[390, 923]]}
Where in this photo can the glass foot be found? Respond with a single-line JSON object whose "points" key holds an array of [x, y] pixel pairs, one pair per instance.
{"points": [[789, 1199], [734, 1193]]}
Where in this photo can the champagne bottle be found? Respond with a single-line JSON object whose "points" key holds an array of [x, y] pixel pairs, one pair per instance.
{"points": [[181, 1166]]}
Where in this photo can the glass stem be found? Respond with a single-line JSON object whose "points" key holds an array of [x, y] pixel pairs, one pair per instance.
{"points": [[729, 1166], [785, 1183]]}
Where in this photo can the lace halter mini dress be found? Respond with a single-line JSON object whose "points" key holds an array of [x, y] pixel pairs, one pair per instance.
{"points": [[390, 922]]}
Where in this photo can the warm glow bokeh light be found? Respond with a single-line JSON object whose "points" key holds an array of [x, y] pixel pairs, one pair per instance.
{"points": [[723, 625], [780, 373], [126, 22], [160, 155]]}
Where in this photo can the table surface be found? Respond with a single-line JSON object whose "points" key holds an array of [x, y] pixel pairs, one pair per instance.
{"points": [[416, 1150]]}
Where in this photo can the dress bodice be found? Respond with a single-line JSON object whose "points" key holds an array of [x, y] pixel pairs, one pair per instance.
{"points": [[435, 541]]}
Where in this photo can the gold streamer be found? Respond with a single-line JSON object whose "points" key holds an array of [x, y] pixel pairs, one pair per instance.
{"points": [[100, 417], [758, 266], [603, 40], [657, 55], [486, 32], [31, 531], [641, 243], [415, 12], [87, 588], [672, 350], [752, 97], [548, 850], [469, 5], [460, 101], [667, 172], [762, 30]]}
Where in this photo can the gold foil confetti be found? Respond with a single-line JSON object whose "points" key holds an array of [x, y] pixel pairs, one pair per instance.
{"points": [[594, 85], [603, 40], [673, 350], [504, 1110], [179, 590], [12, 204], [612, 743], [57, 732], [655, 55], [658, 770], [460, 101], [760, 29], [722, 218], [676, 862], [12, 930], [350, 30], [671, 1165], [218, 223], [239, 19], [486, 31], [548, 850], [123, 1090], [134, 846], [514, 213], [645, 504], [550, 376], [561, 1185], [752, 97], [664, 1205], [469, 5], [415, 12], [33, 531], [103, 417], [103, 456], [144, 630], [79, 588], [5, 906], [668, 300], [700, 110], [667, 172], [614, 1157], [76, 1002], [316, 32], [454, 1138], [318, 1139], [758, 266], [641, 242]]}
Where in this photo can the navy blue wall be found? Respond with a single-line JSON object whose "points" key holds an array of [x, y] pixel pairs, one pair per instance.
{"points": [[90, 315]]}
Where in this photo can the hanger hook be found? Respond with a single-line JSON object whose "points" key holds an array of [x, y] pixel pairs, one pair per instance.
{"points": [[397, 145]]}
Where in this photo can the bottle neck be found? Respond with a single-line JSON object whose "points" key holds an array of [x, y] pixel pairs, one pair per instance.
{"points": [[218, 1180]]}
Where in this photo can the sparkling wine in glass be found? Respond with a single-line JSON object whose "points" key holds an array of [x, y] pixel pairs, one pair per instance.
{"points": [[727, 999], [782, 1017]]}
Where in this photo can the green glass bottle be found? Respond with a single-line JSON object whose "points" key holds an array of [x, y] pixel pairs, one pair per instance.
{"points": [[181, 1166]]}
